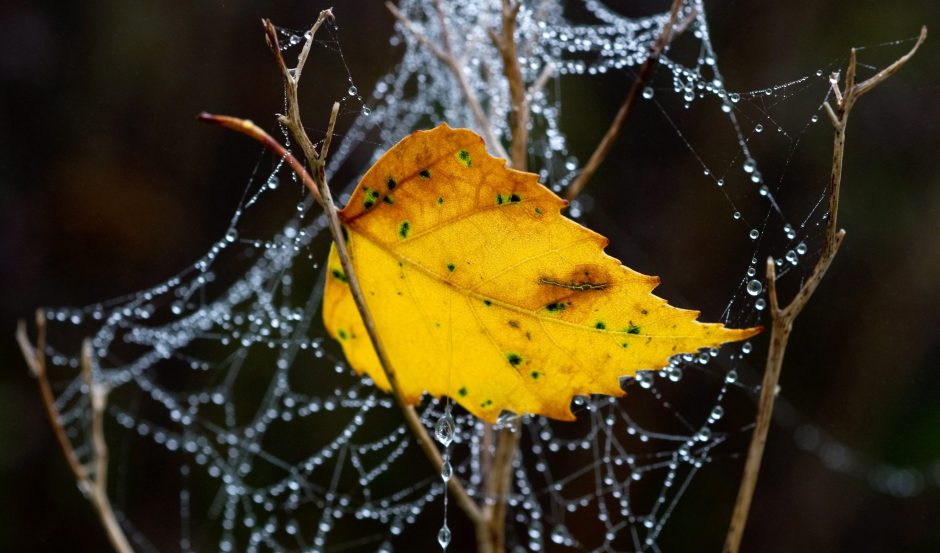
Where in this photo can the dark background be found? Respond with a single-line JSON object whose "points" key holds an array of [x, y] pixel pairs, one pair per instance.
{"points": [[109, 186]]}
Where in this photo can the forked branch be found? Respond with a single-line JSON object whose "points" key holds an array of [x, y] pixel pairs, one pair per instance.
{"points": [[316, 182], [784, 316], [93, 483]]}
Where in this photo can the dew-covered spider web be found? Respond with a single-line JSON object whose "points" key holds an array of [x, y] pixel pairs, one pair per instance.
{"points": [[234, 423]]}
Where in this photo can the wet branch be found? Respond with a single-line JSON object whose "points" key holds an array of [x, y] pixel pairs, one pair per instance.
{"points": [[92, 480], [316, 182], [784, 316], [671, 29], [447, 56]]}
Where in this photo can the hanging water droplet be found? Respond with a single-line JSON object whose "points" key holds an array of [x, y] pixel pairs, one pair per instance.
{"points": [[294, 40], [689, 95], [758, 128], [734, 97], [819, 72], [726, 108], [814, 119], [231, 235], [717, 412], [443, 537], [731, 377], [447, 470], [792, 257], [366, 111], [749, 166], [645, 379], [444, 429], [505, 420], [751, 271], [754, 287], [801, 248], [760, 304], [353, 90], [647, 93], [736, 215], [746, 348], [754, 234], [720, 182]]}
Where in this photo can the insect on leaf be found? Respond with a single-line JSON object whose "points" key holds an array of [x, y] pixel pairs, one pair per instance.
{"points": [[482, 291]]}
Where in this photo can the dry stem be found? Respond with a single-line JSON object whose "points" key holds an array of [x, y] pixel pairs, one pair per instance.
{"points": [[94, 484], [783, 317], [671, 29], [447, 56]]}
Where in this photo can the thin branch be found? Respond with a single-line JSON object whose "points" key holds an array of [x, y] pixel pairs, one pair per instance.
{"points": [[607, 142], [450, 60], [505, 42], [248, 128], [92, 486], [784, 317], [319, 186]]}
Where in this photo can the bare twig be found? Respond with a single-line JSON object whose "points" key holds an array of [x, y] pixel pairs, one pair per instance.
{"points": [[318, 184], [783, 317], [450, 60], [505, 42], [94, 485], [607, 142]]}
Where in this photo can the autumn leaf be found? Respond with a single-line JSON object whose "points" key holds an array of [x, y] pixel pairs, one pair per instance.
{"points": [[482, 291]]}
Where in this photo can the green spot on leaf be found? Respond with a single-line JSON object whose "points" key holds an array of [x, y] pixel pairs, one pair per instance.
{"points": [[425, 174], [403, 229], [339, 275], [342, 334], [390, 183], [514, 198], [388, 200], [462, 392], [536, 375], [451, 267], [514, 359], [487, 303], [463, 156], [633, 329], [555, 307], [600, 325]]}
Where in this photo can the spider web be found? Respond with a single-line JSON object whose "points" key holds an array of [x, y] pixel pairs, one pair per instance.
{"points": [[229, 404]]}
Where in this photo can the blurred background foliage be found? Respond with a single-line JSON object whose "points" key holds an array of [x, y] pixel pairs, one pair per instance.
{"points": [[109, 185]]}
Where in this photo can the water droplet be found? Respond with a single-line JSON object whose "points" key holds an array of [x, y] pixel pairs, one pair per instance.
{"points": [[353, 90], [754, 287], [731, 377], [444, 429], [688, 96], [814, 119], [647, 93], [645, 379], [294, 40], [760, 304], [749, 166], [758, 128], [231, 235], [754, 234], [366, 111], [792, 257], [447, 470], [746, 348], [801, 248], [720, 182], [734, 97], [443, 537], [736, 215], [717, 412], [819, 72], [726, 108]]}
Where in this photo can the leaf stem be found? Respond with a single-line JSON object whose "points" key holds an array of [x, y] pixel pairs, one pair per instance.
{"points": [[783, 317]]}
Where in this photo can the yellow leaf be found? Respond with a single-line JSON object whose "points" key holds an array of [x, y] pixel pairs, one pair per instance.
{"points": [[482, 291]]}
